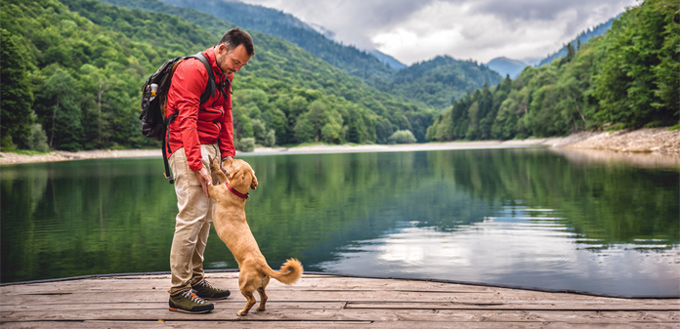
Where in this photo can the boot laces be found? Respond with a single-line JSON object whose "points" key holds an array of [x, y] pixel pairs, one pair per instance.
{"points": [[205, 283], [189, 294]]}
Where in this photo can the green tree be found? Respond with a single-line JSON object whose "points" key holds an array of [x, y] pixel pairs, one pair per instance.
{"points": [[17, 97], [57, 105], [308, 127], [628, 86], [667, 73]]}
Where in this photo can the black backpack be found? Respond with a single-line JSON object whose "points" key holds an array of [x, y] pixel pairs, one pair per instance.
{"points": [[154, 122]]}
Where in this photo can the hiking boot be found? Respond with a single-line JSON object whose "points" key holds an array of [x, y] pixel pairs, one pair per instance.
{"points": [[206, 290], [188, 302]]}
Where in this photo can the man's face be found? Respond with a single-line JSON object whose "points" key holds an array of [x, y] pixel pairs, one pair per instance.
{"points": [[230, 62]]}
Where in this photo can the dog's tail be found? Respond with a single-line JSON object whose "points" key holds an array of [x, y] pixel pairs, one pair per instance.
{"points": [[290, 272]]}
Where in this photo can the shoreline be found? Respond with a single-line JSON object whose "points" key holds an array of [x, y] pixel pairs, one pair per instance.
{"points": [[660, 145]]}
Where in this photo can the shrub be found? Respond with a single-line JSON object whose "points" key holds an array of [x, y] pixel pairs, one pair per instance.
{"points": [[402, 137], [37, 140], [245, 144], [7, 144]]}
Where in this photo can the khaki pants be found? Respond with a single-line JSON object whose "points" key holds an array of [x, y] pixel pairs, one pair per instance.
{"points": [[192, 225]]}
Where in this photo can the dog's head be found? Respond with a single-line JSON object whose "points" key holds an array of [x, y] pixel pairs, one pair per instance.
{"points": [[240, 174]]}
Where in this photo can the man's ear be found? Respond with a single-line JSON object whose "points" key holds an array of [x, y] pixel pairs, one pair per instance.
{"points": [[220, 49]]}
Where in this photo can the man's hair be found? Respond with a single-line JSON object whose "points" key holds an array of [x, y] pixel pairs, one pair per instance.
{"points": [[236, 37]]}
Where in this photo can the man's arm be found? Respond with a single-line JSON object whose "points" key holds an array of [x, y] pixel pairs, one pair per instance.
{"points": [[188, 83]]}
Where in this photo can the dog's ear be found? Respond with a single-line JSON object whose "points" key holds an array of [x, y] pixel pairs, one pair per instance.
{"points": [[253, 182], [227, 162], [231, 174]]}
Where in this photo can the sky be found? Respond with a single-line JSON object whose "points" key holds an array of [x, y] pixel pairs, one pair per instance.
{"points": [[418, 30]]}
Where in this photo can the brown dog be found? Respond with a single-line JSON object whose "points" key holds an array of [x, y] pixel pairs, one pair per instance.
{"points": [[231, 226]]}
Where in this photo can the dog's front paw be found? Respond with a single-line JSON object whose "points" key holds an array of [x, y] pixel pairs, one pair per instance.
{"points": [[242, 313]]}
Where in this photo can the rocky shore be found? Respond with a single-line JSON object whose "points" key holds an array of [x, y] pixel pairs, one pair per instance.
{"points": [[658, 145]]}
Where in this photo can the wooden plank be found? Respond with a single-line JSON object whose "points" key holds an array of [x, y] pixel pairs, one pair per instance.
{"points": [[331, 286], [547, 305], [184, 324], [142, 302], [323, 324], [227, 312], [363, 299], [320, 285], [230, 281], [325, 301], [155, 306]]}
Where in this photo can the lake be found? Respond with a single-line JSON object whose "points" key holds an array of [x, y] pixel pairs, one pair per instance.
{"points": [[527, 217]]}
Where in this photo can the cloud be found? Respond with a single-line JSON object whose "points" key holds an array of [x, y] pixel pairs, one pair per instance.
{"points": [[414, 31], [352, 21]]}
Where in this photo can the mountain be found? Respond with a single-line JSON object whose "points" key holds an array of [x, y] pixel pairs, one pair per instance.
{"points": [[277, 23], [387, 59], [582, 38], [84, 62], [627, 78], [444, 82], [440, 81], [506, 66]]}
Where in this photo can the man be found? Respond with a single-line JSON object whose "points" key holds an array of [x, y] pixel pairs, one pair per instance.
{"points": [[198, 132]]}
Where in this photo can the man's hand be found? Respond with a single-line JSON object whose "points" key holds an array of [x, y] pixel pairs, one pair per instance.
{"points": [[204, 179]]}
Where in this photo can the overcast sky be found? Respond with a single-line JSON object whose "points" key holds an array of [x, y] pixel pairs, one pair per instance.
{"points": [[418, 30]]}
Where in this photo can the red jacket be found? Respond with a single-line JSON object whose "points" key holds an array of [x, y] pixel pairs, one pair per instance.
{"points": [[193, 127]]}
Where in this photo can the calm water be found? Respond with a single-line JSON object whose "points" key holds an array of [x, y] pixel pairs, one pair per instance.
{"points": [[523, 217]]}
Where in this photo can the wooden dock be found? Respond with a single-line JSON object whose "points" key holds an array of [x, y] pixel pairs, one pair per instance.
{"points": [[323, 301]]}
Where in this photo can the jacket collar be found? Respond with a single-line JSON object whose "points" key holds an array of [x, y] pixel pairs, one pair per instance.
{"points": [[210, 55]]}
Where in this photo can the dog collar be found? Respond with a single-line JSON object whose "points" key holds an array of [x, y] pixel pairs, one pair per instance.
{"points": [[237, 193]]}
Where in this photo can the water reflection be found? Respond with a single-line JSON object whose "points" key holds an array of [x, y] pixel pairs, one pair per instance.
{"points": [[516, 251], [642, 160], [526, 217]]}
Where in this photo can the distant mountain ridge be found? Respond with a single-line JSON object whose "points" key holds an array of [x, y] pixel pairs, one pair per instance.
{"points": [[442, 80], [388, 60], [507, 67], [513, 67], [314, 39], [582, 38]]}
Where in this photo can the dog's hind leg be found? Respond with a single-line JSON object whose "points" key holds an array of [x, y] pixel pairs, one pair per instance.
{"points": [[249, 304], [263, 295]]}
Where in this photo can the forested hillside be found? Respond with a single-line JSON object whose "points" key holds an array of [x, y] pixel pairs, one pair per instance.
{"points": [[582, 38], [440, 81], [74, 70], [627, 78], [269, 21], [432, 83]]}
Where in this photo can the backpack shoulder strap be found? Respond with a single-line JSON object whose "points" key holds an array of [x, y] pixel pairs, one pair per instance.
{"points": [[211, 85]]}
